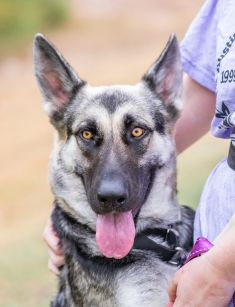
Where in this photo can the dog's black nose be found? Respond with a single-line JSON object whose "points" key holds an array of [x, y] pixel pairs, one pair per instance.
{"points": [[112, 194]]}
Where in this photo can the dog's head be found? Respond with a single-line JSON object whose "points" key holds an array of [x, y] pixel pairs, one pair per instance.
{"points": [[111, 141]]}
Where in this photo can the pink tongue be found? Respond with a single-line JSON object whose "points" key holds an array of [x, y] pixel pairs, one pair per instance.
{"points": [[115, 234]]}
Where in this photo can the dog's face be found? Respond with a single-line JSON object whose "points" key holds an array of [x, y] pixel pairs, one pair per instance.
{"points": [[111, 140]]}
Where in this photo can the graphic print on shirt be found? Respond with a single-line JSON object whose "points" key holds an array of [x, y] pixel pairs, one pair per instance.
{"points": [[224, 119], [227, 75], [224, 111], [226, 49], [227, 116]]}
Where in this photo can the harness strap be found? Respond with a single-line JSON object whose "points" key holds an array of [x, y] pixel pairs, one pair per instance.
{"points": [[231, 156], [168, 251]]}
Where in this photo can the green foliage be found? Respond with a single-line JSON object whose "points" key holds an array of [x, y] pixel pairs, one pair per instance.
{"points": [[20, 19]]}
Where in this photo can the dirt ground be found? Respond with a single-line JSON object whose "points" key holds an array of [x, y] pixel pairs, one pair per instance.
{"points": [[106, 42]]}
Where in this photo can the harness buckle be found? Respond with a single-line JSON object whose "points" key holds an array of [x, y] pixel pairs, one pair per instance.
{"points": [[179, 257], [172, 237]]}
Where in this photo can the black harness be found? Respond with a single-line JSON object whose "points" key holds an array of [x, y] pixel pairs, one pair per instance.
{"points": [[231, 156], [167, 248]]}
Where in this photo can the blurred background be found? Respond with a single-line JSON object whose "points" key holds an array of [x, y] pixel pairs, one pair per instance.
{"points": [[106, 42]]}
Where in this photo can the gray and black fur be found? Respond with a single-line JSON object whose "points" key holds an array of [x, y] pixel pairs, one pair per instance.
{"points": [[112, 172]]}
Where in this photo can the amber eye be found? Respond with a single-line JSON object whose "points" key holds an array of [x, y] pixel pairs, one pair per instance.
{"points": [[87, 135], [137, 132]]}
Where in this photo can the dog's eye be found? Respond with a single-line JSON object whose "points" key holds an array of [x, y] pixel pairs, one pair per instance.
{"points": [[87, 135], [137, 132]]}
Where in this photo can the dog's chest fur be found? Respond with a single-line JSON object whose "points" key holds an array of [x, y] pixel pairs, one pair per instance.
{"points": [[134, 285]]}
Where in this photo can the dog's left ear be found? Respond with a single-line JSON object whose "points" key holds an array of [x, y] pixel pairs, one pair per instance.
{"points": [[57, 80], [164, 77]]}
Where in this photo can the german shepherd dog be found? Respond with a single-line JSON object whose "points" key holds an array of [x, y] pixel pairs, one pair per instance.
{"points": [[113, 175]]}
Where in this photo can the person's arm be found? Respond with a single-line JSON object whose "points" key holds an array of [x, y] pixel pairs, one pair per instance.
{"points": [[197, 113], [208, 280]]}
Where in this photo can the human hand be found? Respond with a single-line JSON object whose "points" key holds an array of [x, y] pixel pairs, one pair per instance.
{"points": [[56, 256], [200, 283]]}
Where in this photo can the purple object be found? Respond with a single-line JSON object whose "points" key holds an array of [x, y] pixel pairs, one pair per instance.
{"points": [[202, 245]]}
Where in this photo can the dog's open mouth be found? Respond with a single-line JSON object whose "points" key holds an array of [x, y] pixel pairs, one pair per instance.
{"points": [[115, 234]]}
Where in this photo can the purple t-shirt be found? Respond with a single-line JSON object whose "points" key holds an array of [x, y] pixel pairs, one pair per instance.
{"points": [[208, 57]]}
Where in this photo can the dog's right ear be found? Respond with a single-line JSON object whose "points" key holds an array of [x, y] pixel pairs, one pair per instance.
{"points": [[57, 80]]}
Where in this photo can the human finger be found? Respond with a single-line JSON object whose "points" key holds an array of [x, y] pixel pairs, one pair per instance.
{"points": [[57, 260], [51, 238], [53, 268], [172, 289]]}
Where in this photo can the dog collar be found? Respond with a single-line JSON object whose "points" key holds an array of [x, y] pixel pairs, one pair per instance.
{"points": [[168, 251]]}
